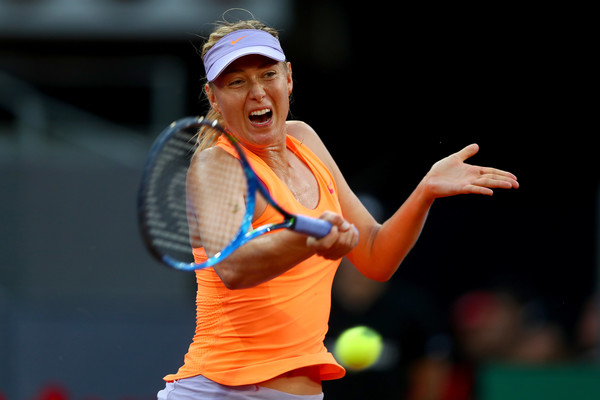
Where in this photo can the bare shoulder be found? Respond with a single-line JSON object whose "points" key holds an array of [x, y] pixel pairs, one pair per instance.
{"points": [[207, 155], [299, 129], [307, 136], [208, 159]]}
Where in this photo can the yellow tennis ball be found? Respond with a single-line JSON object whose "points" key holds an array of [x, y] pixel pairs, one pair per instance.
{"points": [[358, 348]]}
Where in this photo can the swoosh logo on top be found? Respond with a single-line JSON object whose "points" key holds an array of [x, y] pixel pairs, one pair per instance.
{"points": [[237, 40]]}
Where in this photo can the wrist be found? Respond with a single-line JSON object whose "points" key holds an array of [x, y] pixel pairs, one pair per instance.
{"points": [[425, 191]]}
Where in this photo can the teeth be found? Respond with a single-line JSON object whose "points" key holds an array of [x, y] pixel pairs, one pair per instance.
{"points": [[260, 112]]}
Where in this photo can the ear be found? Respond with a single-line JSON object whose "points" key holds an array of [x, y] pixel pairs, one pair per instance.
{"points": [[290, 82], [212, 99]]}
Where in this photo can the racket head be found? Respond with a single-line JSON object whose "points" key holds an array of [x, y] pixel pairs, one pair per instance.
{"points": [[166, 215], [161, 198], [185, 202]]}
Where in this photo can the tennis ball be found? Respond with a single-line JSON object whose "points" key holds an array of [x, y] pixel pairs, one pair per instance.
{"points": [[358, 348]]}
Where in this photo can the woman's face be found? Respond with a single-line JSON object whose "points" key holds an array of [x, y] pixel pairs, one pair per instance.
{"points": [[252, 95]]}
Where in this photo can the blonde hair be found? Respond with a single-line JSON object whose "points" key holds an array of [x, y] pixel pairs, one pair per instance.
{"points": [[208, 138]]}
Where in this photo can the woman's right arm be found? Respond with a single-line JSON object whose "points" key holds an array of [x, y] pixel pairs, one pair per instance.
{"points": [[264, 257]]}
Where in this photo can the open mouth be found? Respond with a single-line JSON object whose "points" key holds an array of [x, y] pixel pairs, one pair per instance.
{"points": [[261, 117]]}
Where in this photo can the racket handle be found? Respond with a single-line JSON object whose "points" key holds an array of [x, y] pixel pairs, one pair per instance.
{"points": [[311, 226]]}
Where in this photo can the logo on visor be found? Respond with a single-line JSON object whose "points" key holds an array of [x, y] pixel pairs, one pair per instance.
{"points": [[237, 40]]}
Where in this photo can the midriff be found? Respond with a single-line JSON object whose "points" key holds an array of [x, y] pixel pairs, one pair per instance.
{"points": [[302, 381]]}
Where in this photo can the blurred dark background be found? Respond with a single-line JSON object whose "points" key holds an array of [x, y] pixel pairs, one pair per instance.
{"points": [[85, 86]]}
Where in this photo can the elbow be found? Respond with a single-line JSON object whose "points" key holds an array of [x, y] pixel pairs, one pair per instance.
{"points": [[376, 274], [380, 276], [232, 284], [231, 280], [384, 278], [236, 283], [380, 272], [377, 270]]}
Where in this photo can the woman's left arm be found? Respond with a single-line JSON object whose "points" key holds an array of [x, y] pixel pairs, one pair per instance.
{"points": [[383, 247]]}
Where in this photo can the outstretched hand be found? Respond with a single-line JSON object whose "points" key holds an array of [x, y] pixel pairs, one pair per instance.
{"points": [[452, 176]]}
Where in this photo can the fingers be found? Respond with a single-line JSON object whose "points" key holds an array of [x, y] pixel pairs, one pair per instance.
{"points": [[476, 189], [342, 238], [489, 179], [498, 172], [492, 177], [491, 173], [496, 181], [468, 151]]}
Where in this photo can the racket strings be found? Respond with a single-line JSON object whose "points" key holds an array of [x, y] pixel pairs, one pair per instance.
{"points": [[216, 190], [193, 196], [165, 206]]}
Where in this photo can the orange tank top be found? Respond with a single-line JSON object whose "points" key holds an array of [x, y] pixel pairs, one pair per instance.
{"points": [[251, 335]]}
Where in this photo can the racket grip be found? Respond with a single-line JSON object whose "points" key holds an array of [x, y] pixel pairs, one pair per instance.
{"points": [[312, 226]]}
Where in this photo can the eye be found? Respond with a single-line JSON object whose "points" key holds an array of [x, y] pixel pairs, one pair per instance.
{"points": [[235, 82], [270, 74]]}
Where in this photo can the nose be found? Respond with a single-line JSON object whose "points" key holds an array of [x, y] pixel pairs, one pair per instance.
{"points": [[257, 92]]}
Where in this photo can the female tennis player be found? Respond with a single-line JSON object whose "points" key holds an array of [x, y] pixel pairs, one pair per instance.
{"points": [[262, 313]]}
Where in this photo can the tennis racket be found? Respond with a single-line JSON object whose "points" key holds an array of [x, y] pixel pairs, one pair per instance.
{"points": [[225, 189]]}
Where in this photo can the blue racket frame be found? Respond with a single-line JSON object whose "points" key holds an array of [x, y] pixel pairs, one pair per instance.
{"points": [[298, 223]]}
